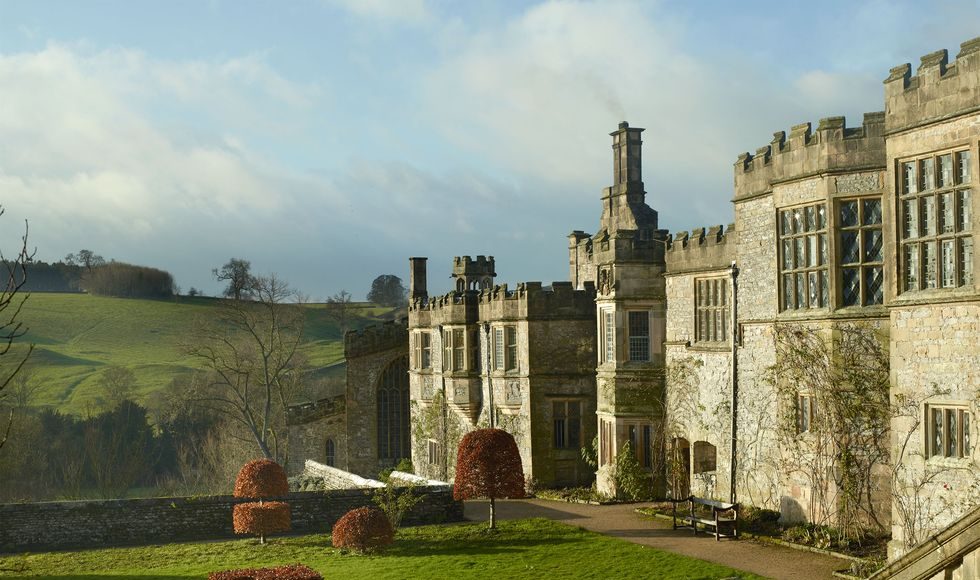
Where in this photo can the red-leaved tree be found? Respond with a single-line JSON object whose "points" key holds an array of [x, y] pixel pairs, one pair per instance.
{"points": [[363, 529], [488, 465], [260, 479]]}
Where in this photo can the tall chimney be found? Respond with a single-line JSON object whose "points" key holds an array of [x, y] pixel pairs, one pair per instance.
{"points": [[416, 280]]}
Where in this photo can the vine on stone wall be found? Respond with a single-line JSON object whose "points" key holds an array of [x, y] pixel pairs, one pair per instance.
{"points": [[838, 448]]}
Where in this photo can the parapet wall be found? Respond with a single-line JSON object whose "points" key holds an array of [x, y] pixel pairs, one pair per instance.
{"points": [[83, 524], [701, 249], [306, 412], [834, 147], [376, 338], [939, 90], [467, 266]]}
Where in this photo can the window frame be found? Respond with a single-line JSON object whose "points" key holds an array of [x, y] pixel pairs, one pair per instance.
{"points": [[563, 425], [607, 333], [926, 228], [963, 441], [805, 412], [422, 350], [712, 316], [794, 229], [863, 267], [506, 352], [637, 340]]}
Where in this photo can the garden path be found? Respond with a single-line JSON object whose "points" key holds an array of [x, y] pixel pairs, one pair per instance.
{"points": [[621, 521]]}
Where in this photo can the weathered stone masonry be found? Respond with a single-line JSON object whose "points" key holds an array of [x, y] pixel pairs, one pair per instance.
{"points": [[84, 524]]}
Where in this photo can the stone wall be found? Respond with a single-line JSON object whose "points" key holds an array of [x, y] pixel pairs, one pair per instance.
{"points": [[82, 524]]}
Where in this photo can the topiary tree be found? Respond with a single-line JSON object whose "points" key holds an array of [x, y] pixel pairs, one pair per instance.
{"points": [[363, 529], [488, 465], [260, 479]]}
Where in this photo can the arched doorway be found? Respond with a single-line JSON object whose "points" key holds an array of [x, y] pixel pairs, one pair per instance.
{"points": [[393, 413]]}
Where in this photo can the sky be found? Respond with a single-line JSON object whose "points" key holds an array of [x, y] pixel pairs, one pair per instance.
{"points": [[327, 141]]}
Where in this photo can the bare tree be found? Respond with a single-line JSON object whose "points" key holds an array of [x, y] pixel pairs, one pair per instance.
{"points": [[238, 274], [249, 355], [11, 304], [86, 259], [117, 384], [340, 310]]}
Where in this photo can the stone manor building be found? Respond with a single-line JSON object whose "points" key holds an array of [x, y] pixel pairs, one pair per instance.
{"points": [[669, 343]]}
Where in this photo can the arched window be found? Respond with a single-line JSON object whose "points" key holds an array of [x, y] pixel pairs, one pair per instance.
{"points": [[393, 413], [331, 453], [460, 285]]}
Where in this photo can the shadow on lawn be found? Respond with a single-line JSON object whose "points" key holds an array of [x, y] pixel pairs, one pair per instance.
{"points": [[98, 577]]}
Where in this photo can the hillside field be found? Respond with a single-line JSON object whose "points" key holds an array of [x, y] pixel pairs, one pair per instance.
{"points": [[77, 336]]}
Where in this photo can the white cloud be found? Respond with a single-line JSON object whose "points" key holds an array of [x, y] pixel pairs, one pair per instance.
{"points": [[539, 93], [411, 11]]}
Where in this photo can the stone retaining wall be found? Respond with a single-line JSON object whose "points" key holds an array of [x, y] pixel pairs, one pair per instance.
{"points": [[80, 524]]}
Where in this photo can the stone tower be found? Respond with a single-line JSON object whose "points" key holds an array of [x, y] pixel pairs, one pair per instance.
{"points": [[626, 261], [473, 274]]}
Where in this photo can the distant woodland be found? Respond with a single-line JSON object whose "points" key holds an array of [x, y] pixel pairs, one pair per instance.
{"points": [[106, 279]]}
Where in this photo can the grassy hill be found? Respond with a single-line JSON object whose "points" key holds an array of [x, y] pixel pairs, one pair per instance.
{"points": [[77, 336]]}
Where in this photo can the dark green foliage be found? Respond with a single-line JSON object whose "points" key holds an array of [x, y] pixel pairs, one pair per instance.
{"points": [[633, 481], [388, 290], [127, 281]]}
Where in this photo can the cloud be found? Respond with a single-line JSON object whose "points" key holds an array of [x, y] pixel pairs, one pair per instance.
{"points": [[86, 156], [406, 11], [538, 94]]}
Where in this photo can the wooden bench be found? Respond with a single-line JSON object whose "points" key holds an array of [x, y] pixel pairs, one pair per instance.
{"points": [[724, 518]]}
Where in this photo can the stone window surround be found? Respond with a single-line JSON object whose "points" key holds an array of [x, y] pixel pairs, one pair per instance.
{"points": [[719, 312], [567, 426], [434, 452], [457, 352], [640, 437], [812, 266], [864, 265], [330, 453], [421, 349], [805, 411], [607, 335], [918, 180], [635, 342], [504, 348], [960, 412]]}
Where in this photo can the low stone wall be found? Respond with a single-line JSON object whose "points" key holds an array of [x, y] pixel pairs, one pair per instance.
{"points": [[81, 524], [334, 478]]}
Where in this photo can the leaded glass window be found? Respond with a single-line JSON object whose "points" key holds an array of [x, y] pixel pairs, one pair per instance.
{"points": [[803, 262], [711, 310], [937, 240], [639, 337], [862, 255], [948, 431]]}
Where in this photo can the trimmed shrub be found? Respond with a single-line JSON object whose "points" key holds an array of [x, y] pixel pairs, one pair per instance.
{"points": [[291, 572], [261, 518], [261, 478], [363, 529], [488, 464]]}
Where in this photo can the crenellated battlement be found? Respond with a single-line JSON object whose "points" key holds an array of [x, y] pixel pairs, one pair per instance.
{"points": [[306, 412], [467, 266], [701, 249], [376, 338], [938, 90], [833, 147]]}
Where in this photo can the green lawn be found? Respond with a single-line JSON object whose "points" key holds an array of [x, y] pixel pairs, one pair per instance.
{"points": [[520, 549], [77, 336]]}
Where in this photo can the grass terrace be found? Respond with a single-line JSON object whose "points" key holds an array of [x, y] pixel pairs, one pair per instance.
{"points": [[535, 548]]}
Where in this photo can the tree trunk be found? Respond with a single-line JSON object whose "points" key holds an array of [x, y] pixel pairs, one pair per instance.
{"points": [[493, 515]]}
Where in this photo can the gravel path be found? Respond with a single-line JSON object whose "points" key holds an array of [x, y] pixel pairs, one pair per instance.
{"points": [[622, 521]]}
